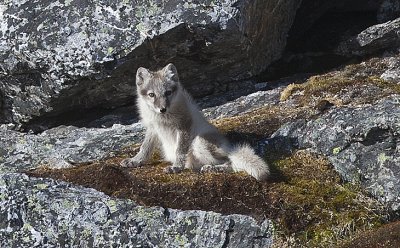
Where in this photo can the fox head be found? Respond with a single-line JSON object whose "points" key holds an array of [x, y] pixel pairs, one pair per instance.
{"points": [[158, 89]]}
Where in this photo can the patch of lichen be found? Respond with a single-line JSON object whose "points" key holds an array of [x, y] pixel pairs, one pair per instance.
{"points": [[352, 84]]}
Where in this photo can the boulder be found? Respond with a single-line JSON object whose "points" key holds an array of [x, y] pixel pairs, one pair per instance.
{"points": [[362, 143], [63, 146], [63, 57], [377, 38], [392, 73]]}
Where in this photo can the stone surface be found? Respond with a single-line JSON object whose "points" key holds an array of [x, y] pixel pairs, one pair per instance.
{"points": [[362, 143], [377, 38], [63, 146], [61, 56], [392, 73], [46, 213]]}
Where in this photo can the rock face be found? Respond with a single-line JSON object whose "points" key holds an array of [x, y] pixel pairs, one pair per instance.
{"points": [[63, 146], [362, 143], [374, 39], [47, 213], [62, 56]]}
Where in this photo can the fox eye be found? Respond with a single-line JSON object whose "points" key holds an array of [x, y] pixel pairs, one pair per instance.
{"points": [[168, 92], [151, 95]]}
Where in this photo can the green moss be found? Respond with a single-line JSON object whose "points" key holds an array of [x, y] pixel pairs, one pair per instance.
{"points": [[318, 209]]}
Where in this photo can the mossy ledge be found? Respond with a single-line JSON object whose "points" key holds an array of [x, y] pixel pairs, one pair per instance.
{"points": [[305, 197]]}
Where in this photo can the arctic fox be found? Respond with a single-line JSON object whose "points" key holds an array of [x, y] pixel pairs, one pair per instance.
{"points": [[187, 140]]}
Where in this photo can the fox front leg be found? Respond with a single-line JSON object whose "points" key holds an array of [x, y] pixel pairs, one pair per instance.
{"points": [[184, 141], [144, 154]]}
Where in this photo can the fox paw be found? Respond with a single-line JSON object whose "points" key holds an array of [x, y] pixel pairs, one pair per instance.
{"points": [[173, 169], [207, 168], [130, 162], [216, 168]]}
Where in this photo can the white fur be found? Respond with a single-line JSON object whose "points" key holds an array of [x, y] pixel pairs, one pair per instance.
{"points": [[244, 159]]}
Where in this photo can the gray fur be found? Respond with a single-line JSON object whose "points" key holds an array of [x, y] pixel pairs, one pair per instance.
{"points": [[186, 138]]}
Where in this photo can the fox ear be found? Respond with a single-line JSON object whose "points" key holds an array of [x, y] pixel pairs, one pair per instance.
{"points": [[141, 74], [171, 72]]}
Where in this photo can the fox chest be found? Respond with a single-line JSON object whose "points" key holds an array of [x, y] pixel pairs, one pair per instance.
{"points": [[168, 138]]}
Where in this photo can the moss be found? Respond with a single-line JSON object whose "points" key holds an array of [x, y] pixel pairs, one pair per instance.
{"points": [[317, 210]]}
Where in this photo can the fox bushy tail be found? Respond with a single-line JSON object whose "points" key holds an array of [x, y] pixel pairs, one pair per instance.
{"points": [[243, 158]]}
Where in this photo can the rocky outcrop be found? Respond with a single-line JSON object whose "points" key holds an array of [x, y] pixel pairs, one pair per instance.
{"points": [[63, 146], [48, 213], [362, 143], [63, 56], [374, 39]]}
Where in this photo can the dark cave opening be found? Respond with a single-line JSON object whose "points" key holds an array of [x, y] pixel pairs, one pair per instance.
{"points": [[314, 48]]}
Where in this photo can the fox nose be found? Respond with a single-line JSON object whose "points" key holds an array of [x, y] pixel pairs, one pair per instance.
{"points": [[163, 110]]}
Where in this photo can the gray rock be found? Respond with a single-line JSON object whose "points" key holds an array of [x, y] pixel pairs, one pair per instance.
{"points": [[244, 104], [61, 56], [63, 146], [380, 37], [38, 212], [362, 143], [392, 73]]}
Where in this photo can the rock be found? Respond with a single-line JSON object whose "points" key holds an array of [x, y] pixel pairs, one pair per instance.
{"points": [[63, 57], [362, 143], [46, 213], [63, 146], [377, 38], [244, 104], [392, 73]]}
